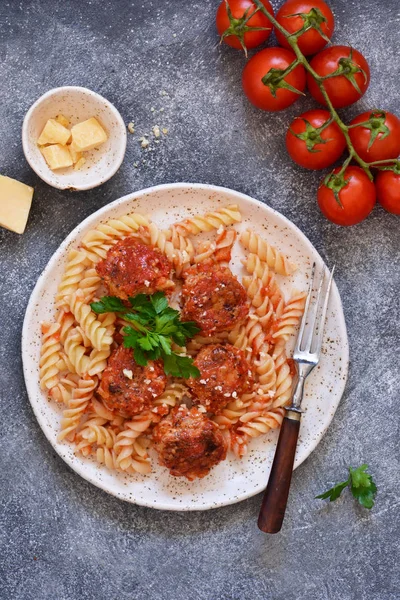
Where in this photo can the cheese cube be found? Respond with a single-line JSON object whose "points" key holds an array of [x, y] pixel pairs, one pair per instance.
{"points": [[75, 154], [62, 120], [15, 203], [78, 165], [57, 156], [88, 135], [54, 133]]}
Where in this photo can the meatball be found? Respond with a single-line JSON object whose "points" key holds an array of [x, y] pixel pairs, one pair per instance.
{"points": [[225, 375], [129, 388], [214, 299], [130, 267], [188, 443]]}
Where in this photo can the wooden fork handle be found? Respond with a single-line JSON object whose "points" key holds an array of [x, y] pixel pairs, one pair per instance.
{"points": [[276, 494]]}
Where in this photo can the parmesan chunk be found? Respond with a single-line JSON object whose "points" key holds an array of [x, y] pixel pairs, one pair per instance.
{"points": [[57, 156], [88, 135], [15, 203], [54, 133]]}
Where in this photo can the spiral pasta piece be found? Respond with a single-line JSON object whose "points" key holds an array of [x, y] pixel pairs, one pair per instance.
{"points": [[92, 433], [125, 444], [253, 425], [75, 353], [162, 240], [198, 341], [212, 220], [89, 284], [78, 403], [284, 378], [76, 265], [263, 291], [92, 327], [287, 323], [50, 354], [219, 251], [172, 395], [265, 369], [66, 320], [265, 252], [231, 414], [62, 391]]}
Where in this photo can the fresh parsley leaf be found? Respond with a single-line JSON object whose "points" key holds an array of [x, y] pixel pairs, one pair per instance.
{"points": [[108, 304], [159, 302], [137, 319], [155, 325], [165, 344], [334, 493], [180, 366], [131, 337], [140, 357], [361, 486], [189, 328], [139, 301]]}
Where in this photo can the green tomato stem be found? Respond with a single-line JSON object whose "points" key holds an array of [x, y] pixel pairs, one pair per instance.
{"points": [[301, 59]]}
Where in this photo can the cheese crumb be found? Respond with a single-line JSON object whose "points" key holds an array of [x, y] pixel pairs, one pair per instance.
{"points": [[131, 127], [201, 409], [146, 283], [203, 381], [144, 142], [147, 381], [234, 394], [156, 131], [128, 373], [164, 130]]}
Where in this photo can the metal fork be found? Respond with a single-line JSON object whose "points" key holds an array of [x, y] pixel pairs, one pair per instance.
{"points": [[306, 355]]}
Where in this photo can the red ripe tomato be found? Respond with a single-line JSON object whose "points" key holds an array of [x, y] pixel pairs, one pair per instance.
{"points": [[378, 138], [313, 144], [350, 64], [354, 200], [260, 91], [233, 27], [319, 14], [387, 185]]}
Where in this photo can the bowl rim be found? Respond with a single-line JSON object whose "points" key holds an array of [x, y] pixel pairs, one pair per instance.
{"points": [[88, 92]]}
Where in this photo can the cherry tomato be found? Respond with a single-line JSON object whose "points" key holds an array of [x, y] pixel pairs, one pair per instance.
{"points": [[387, 185], [378, 138], [313, 144], [259, 67], [354, 201], [339, 88], [234, 27], [319, 14]]}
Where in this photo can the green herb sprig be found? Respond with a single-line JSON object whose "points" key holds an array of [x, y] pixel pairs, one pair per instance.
{"points": [[361, 485], [155, 326]]}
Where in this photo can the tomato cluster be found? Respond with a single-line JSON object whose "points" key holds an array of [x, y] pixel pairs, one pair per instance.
{"points": [[274, 78]]}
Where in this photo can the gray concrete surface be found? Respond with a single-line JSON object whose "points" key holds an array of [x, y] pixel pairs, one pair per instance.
{"points": [[63, 539]]}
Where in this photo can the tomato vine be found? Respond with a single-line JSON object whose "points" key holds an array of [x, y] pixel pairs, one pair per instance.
{"points": [[346, 67]]}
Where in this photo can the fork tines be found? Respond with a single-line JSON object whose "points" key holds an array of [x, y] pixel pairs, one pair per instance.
{"points": [[309, 340]]}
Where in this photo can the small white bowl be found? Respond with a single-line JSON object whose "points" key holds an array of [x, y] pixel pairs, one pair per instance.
{"points": [[77, 104]]}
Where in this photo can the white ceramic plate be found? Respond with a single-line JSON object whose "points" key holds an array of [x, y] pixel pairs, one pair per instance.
{"points": [[232, 480]]}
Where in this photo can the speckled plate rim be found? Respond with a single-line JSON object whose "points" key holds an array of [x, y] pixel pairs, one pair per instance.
{"points": [[97, 216]]}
